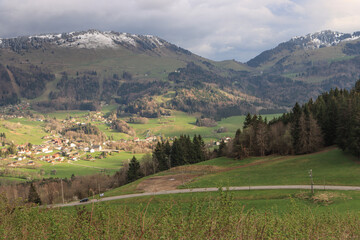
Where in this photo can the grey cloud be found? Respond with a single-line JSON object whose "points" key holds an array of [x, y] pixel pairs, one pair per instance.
{"points": [[228, 29]]}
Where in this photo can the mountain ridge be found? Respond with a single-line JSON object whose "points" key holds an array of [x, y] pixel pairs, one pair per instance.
{"points": [[79, 70], [311, 41], [90, 39]]}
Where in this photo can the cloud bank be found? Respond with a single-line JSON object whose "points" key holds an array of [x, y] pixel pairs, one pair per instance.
{"points": [[219, 30]]}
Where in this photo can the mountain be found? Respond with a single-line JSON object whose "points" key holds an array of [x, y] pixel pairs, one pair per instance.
{"points": [[148, 76], [142, 74], [328, 58]]}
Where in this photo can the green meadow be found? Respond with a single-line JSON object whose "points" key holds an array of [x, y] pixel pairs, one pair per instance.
{"points": [[181, 123], [330, 167], [108, 165], [21, 130]]}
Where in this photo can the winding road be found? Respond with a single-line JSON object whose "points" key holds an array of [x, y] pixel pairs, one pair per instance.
{"points": [[196, 190]]}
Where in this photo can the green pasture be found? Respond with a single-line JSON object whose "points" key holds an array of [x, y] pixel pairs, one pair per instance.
{"points": [[68, 113], [21, 130], [108, 165], [330, 167], [111, 162], [181, 123]]}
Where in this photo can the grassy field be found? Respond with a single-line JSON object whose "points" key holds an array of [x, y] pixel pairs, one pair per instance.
{"points": [[108, 165], [221, 215], [331, 167], [21, 130], [276, 201], [181, 123]]}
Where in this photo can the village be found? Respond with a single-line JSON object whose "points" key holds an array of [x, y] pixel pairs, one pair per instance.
{"points": [[57, 147]]}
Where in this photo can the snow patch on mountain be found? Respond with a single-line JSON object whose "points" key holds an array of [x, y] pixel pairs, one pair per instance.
{"points": [[91, 39], [325, 38]]}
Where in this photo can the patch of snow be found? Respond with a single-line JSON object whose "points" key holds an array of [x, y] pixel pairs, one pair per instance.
{"points": [[324, 38], [154, 40], [351, 39], [124, 38]]}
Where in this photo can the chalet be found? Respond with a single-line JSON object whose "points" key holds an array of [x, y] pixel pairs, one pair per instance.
{"points": [[31, 163], [150, 139], [13, 164]]}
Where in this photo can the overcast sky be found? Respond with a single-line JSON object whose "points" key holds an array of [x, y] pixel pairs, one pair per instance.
{"points": [[216, 29]]}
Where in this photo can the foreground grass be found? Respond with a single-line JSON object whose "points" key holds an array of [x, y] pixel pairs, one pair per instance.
{"points": [[220, 217], [275, 201]]}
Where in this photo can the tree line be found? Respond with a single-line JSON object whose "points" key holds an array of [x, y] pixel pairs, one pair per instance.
{"points": [[182, 151], [334, 118]]}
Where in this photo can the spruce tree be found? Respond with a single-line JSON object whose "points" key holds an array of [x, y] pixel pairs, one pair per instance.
{"points": [[177, 154], [33, 196], [296, 128], [248, 120], [167, 151], [134, 170], [237, 148], [160, 156]]}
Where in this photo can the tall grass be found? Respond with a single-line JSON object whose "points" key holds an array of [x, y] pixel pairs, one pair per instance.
{"points": [[217, 218]]}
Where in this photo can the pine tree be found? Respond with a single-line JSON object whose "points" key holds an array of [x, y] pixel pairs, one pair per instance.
{"points": [[33, 196], [237, 147], [177, 154], [248, 120], [134, 170], [167, 151], [160, 157], [198, 149], [296, 128]]}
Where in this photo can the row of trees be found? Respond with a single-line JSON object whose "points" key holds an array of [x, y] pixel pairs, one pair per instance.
{"points": [[338, 115], [165, 156], [182, 151], [301, 134], [334, 118]]}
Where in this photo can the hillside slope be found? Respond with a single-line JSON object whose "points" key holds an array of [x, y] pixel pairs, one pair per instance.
{"points": [[328, 58], [85, 70]]}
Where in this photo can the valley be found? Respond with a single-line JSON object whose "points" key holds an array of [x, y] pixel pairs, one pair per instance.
{"points": [[150, 127]]}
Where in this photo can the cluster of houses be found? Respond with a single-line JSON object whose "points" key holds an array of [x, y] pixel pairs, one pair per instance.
{"points": [[13, 111], [57, 149], [225, 139]]}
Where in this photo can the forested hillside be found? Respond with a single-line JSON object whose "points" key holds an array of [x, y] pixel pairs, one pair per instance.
{"points": [[333, 118]]}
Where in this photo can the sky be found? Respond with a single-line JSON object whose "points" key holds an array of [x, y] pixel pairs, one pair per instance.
{"points": [[215, 29]]}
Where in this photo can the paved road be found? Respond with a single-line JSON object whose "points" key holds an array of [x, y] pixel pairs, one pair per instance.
{"points": [[194, 190]]}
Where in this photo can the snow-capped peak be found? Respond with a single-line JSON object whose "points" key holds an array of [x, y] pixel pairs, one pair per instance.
{"points": [[93, 39], [323, 39]]}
